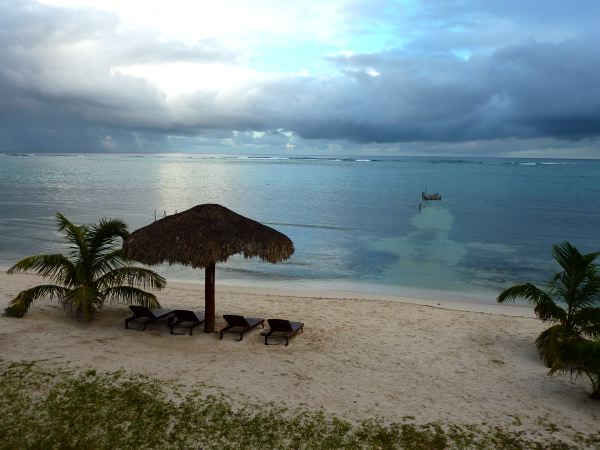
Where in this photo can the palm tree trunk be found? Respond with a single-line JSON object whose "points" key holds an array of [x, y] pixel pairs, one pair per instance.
{"points": [[209, 299]]}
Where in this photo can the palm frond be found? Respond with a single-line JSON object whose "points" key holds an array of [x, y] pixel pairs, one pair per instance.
{"points": [[75, 234], [548, 311], [591, 257], [578, 283], [108, 262], [131, 295], [528, 292], [24, 298], [131, 276], [102, 236], [567, 256], [580, 357], [549, 341], [55, 266], [588, 292], [588, 321]]}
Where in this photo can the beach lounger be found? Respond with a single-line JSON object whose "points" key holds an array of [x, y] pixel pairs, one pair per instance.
{"points": [[143, 315], [282, 329], [185, 319], [240, 324]]}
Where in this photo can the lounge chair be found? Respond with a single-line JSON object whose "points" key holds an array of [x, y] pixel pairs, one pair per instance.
{"points": [[240, 324], [143, 315], [185, 319], [282, 329]]}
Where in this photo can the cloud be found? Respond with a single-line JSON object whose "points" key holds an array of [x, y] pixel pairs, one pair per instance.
{"points": [[529, 90], [65, 85], [58, 85]]}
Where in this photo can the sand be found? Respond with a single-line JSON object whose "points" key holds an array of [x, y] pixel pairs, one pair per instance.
{"points": [[357, 358]]}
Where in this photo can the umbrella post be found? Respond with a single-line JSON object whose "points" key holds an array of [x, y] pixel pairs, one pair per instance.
{"points": [[209, 298]]}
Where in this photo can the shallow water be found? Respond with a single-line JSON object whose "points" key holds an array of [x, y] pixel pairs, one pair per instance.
{"points": [[354, 221]]}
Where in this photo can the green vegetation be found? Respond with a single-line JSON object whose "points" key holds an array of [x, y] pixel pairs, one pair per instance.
{"points": [[580, 357], [94, 271], [571, 344], [58, 408]]}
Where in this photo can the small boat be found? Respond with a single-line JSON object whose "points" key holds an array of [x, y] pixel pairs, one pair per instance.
{"points": [[435, 196]]}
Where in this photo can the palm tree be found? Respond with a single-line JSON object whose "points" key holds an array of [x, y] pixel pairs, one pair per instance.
{"points": [[580, 357], [94, 271], [568, 303]]}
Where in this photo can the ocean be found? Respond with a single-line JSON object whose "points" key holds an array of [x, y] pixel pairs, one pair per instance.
{"points": [[355, 221]]}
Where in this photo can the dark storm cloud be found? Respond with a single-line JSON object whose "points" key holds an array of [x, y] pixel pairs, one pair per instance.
{"points": [[59, 91], [527, 90]]}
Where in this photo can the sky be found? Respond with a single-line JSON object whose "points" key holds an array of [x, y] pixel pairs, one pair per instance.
{"points": [[453, 77]]}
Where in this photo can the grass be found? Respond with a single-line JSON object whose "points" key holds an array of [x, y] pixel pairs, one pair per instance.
{"points": [[59, 408]]}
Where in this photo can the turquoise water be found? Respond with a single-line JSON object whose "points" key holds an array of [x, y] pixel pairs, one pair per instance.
{"points": [[354, 221]]}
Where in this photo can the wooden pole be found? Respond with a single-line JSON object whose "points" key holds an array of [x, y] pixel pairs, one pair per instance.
{"points": [[209, 299]]}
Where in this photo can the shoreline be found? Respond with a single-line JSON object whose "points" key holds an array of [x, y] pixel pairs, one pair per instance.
{"points": [[333, 289], [466, 305]]}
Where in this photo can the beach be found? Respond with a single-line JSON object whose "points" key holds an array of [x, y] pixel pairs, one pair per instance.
{"points": [[359, 356]]}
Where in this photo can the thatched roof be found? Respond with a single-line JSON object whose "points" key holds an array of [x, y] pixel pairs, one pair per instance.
{"points": [[204, 235]]}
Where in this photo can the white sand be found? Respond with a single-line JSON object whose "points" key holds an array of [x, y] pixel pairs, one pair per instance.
{"points": [[357, 358]]}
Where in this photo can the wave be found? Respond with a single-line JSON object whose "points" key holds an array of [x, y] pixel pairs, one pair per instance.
{"points": [[299, 158], [275, 158], [200, 157], [453, 161], [282, 159], [540, 163]]}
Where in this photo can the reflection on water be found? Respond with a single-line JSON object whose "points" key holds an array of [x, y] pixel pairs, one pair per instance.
{"points": [[180, 184]]}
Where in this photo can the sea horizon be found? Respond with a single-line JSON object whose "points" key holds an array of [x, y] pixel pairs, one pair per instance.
{"points": [[290, 154]]}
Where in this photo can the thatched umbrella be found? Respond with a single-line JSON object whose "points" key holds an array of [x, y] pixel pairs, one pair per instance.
{"points": [[203, 236]]}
